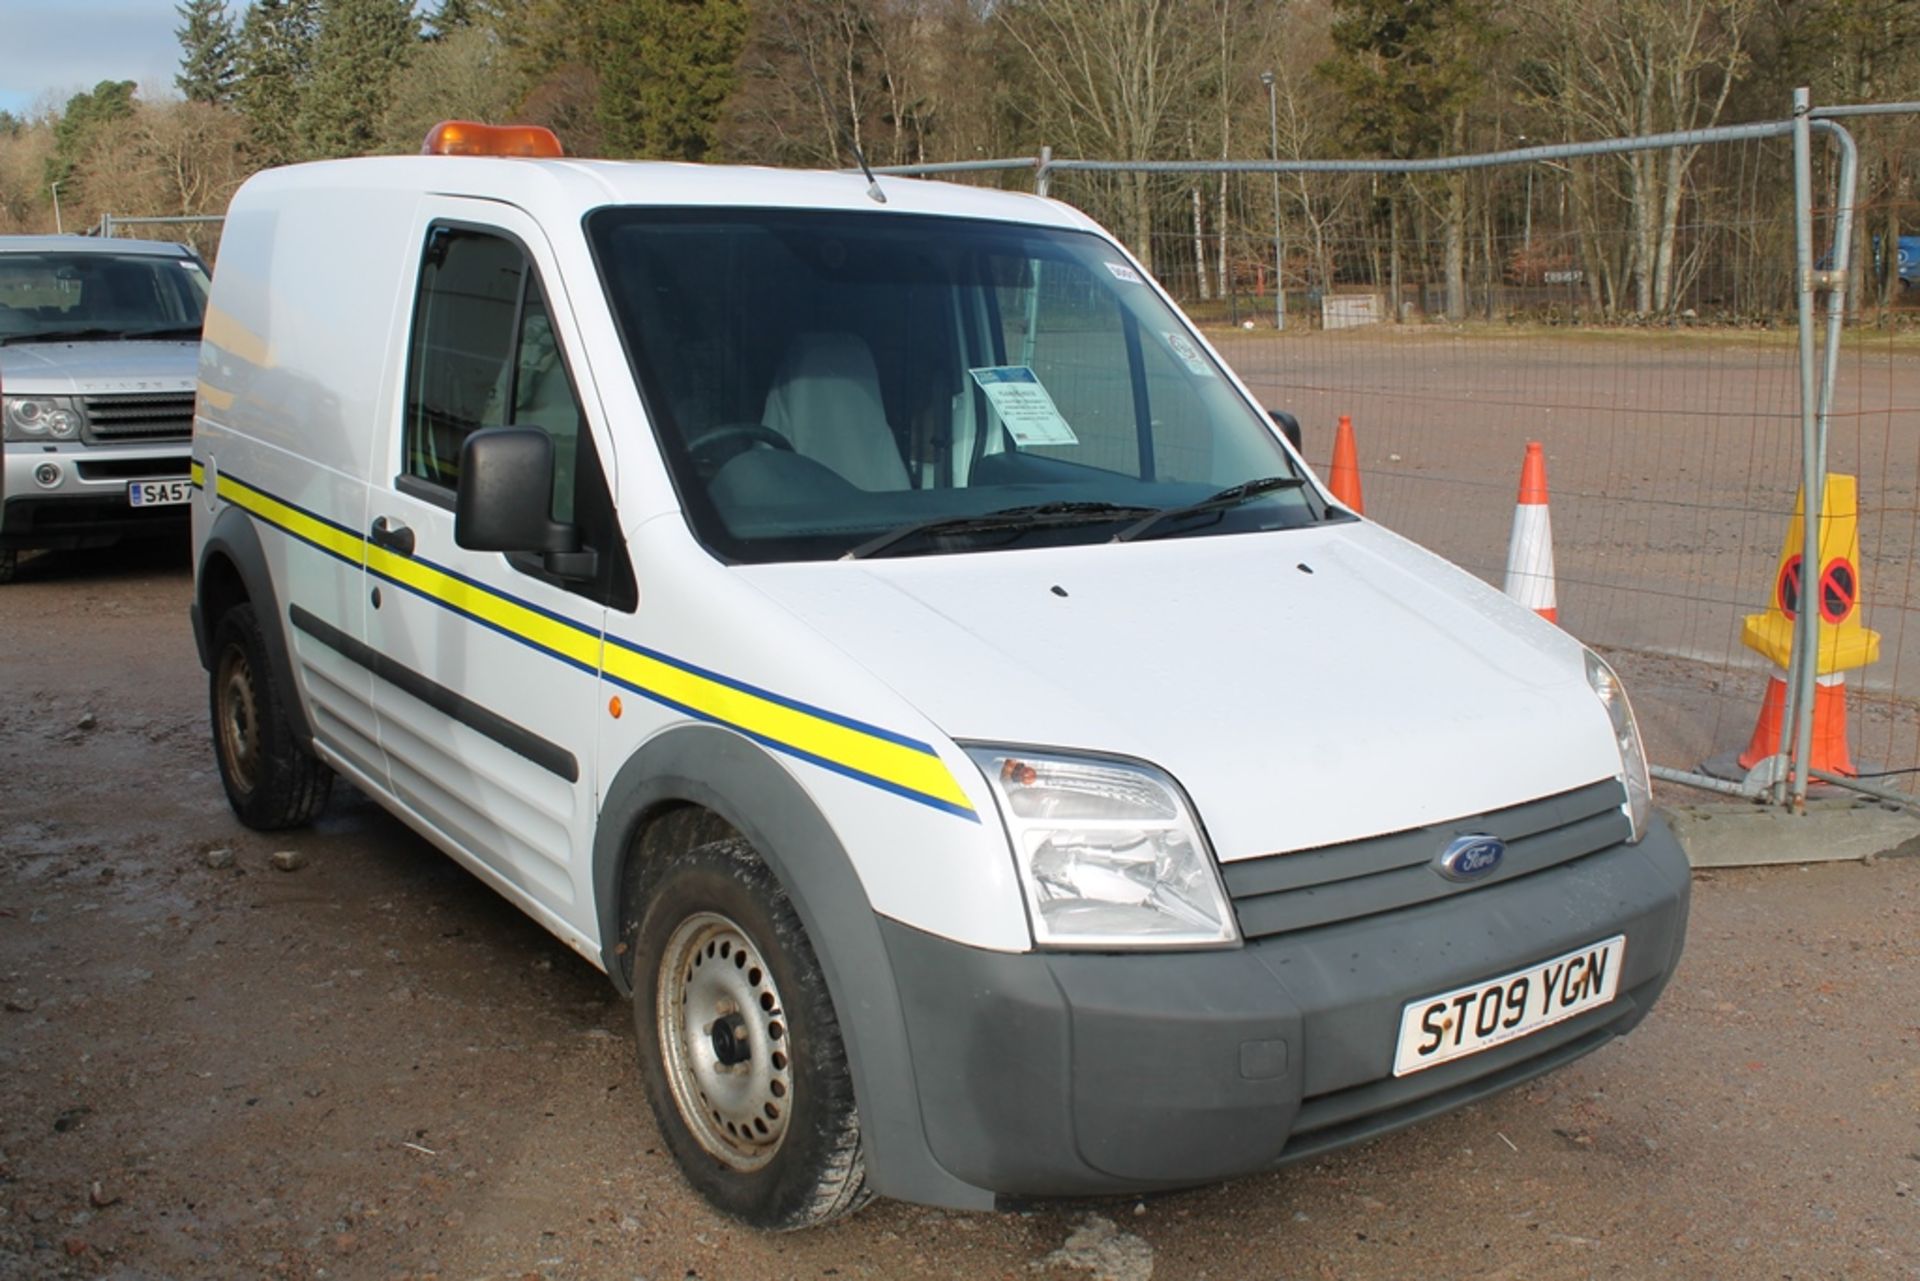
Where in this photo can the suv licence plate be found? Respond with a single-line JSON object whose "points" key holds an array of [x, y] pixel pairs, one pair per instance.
{"points": [[158, 493], [1452, 1025]]}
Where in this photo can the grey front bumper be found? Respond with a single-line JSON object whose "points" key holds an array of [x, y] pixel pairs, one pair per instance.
{"points": [[1068, 1074], [87, 502]]}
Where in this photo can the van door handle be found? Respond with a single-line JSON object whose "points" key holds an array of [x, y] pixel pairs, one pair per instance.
{"points": [[392, 535]]}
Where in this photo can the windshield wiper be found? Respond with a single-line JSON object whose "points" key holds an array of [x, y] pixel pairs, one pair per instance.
{"points": [[164, 331], [1036, 516], [1231, 496], [60, 335]]}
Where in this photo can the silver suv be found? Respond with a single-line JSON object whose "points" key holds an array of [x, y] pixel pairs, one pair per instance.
{"points": [[99, 353]]}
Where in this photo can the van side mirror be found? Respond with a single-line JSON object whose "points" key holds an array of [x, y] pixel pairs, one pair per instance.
{"points": [[1289, 427], [505, 501]]}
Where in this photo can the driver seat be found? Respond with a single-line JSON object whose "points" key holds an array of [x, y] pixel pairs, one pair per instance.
{"points": [[825, 399]]}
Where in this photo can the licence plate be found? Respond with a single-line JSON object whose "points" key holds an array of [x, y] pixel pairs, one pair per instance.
{"points": [[158, 493], [1451, 1025]]}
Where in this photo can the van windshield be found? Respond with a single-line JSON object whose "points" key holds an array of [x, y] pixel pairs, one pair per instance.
{"points": [[62, 296], [829, 383]]}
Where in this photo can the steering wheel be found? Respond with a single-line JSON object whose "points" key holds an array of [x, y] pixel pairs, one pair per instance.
{"points": [[715, 447]]}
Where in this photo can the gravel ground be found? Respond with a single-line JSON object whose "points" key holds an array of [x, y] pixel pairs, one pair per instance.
{"points": [[371, 1066]]}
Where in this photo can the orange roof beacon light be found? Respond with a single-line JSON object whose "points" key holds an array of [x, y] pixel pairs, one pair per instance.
{"points": [[468, 138]]}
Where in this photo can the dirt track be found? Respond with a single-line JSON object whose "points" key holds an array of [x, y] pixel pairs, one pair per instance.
{"points": [[374, 1067]]}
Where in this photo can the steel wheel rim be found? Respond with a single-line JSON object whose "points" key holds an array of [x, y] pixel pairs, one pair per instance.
{"points": [[723, 1038], [239, 718]]}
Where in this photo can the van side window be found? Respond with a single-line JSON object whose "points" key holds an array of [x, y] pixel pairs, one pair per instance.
{"points": [[484, 354], [543, 396], [464, 323]]}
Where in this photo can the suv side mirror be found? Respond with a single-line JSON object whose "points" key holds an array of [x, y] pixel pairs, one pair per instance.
{"points": [[505, 501], [1289, 427]]}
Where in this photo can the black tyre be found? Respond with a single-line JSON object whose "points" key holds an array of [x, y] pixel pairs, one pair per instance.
{"points": [[739, 1045], [9, 565], [272, 780]]}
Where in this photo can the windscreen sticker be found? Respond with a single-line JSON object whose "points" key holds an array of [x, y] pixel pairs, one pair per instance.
{"points": [[1121, 271], [1189, 355], [1024, 406]]}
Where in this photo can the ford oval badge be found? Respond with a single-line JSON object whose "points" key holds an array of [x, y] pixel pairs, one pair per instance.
{"points": [[1468, 858]]}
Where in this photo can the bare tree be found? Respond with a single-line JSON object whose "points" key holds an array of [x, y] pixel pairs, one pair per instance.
{"points": [[461, 75], [1116, 80], [1640, 67], [821, 79]]}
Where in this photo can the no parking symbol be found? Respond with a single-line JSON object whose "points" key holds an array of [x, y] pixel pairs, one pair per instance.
{"points": [[1839, 588], [1787, 591]]}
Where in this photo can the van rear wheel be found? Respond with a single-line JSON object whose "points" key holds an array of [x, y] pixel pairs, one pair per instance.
{"points": [[272, 781], [744, 1066]]}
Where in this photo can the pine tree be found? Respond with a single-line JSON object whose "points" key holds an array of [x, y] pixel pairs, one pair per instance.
{"points": [[85, 115], [362, 48], [208, 52], [275, 55], [1410, 71], [666, 68]]}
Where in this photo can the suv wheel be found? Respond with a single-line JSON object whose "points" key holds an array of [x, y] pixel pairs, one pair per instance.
{"points": [[272, 781], [739, 1045]]}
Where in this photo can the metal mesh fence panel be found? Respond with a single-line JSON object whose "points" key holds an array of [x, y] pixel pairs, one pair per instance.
{"points": [[1874, 434], [1633, 312]]}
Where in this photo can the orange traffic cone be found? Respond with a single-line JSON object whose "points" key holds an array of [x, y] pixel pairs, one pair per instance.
{"points": [[1344, 478], [1530, 549], [1828, 752]]}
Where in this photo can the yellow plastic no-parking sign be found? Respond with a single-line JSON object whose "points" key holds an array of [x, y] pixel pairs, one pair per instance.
{"points": [[1845, 643]]}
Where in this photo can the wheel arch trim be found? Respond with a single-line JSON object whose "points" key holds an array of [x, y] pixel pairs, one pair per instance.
{"points": [[235, 539], [743, 784]]}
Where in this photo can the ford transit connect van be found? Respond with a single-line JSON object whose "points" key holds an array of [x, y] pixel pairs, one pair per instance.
{"points": [[99, 341], [887, 640]]}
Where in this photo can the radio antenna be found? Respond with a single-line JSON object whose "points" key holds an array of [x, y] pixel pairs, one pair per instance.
{"points": [[878, 196]]}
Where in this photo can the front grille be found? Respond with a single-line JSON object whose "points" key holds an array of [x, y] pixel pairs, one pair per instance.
{"points": [[1281, 893], [140, 417], [132, 468]]}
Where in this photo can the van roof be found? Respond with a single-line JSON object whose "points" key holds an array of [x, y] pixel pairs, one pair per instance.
{"points": [[91, 244], [568, 187]]}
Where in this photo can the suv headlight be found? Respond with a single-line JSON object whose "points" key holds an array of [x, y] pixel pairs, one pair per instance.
{"points": [[1108, 853], [40, 417], [1626, 735]]}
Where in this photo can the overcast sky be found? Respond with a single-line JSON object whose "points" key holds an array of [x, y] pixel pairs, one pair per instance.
{"points": [[55, 48]]}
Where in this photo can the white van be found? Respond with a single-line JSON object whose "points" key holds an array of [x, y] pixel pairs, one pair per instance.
{"points": [[889, 641]]}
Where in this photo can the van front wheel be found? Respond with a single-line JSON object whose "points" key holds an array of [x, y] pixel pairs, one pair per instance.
{"points": [[272, 781], [739, 1046]]}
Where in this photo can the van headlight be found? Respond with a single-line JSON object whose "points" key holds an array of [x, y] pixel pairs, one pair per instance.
{"points": [[40, 417], [1626, 736], [1108, 852]]}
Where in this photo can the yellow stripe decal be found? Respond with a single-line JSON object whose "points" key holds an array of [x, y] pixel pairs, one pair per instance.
{"points": [[892, 762], [910, 767]]}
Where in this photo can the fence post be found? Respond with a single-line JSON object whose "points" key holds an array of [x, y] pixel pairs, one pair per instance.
{"points": [[1796, 726], [1043, 172], [1834, 281]]}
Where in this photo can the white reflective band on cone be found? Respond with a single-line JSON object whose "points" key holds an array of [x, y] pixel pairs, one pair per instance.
{"points": [[1530, 559]]}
